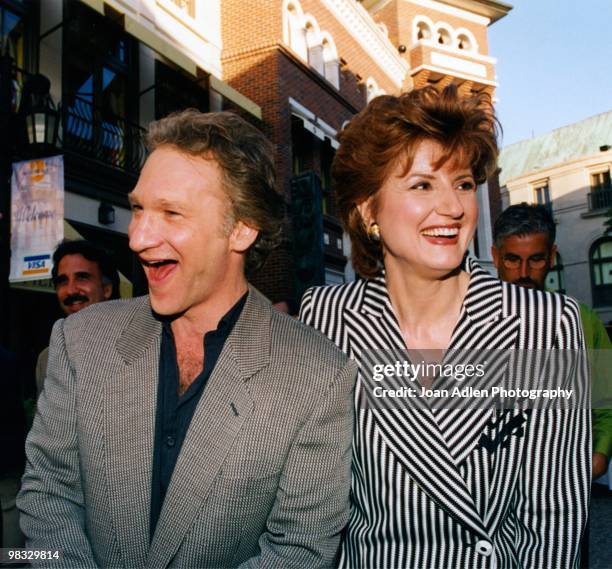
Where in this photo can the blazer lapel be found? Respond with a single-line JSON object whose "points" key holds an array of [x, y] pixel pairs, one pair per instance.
{"points": [[129, 425], [412, 434], [485, 330], [225, 404]]}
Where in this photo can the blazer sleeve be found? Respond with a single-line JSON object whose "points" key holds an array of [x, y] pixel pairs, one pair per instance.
{"points": [[312, 502], [553, 489], [51, 498]]}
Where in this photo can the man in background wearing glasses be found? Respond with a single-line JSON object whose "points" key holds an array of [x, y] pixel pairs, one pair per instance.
{"points": [[524, 252]]}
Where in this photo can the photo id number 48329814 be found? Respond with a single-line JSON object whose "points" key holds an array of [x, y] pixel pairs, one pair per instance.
{"points": [[10, 555]]}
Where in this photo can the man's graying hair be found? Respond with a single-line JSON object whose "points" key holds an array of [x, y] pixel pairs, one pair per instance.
{"points": [[524, 219], [246, 159]]}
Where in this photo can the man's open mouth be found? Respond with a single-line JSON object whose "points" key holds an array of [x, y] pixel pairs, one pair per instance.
{"points": [[158, 269]]}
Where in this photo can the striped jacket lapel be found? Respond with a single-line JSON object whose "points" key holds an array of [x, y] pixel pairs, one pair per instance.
{"points": [[412, 435], [485, 324]]}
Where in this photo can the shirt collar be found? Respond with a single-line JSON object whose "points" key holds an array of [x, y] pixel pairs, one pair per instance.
{"points": [[226, 324]]}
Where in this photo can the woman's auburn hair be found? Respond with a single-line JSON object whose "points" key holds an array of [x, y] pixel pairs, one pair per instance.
{"points": [[392, 128]]}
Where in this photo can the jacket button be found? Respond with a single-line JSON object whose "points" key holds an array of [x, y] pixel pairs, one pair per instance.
{"points": [[484, 548], [170, 441]]}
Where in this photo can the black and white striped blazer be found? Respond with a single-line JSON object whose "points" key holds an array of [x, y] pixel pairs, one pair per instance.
{"points": [[425, 493]]}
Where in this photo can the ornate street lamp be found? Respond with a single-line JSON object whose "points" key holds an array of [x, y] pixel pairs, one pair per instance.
{"points": [[40, 114]]}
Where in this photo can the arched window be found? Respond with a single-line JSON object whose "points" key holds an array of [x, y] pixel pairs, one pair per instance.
{"points": [[465, 40], [315, 48], [331, 61], [423, 31], [555, 280], [444, 37], [600, 259], [295, 31]]}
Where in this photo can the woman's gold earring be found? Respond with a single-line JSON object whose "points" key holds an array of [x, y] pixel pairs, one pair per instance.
{"points": [[374, 232]]}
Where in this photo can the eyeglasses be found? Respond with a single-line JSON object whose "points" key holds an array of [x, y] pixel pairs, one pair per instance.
{"points": [[514, 263]]}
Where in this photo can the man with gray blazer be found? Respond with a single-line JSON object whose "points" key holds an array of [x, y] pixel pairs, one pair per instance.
{"points": [[197, 426]]}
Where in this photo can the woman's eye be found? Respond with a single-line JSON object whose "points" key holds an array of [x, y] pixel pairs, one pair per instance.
{"points": [[421, 186], [467, 186]]}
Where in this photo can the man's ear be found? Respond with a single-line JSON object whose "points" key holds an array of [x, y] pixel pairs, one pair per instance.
{"points": [[553, 256], [495, 255], [242, 237], [107, 290]]}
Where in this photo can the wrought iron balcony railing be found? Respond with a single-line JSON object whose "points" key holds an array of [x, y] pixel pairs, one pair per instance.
{"points": [[600, 199], [102, 136]]}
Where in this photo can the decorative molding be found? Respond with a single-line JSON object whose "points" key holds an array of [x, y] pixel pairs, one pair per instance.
{"points": [[445, 71], [455, 51], [452, 11], [457, 64], [358, 22]]}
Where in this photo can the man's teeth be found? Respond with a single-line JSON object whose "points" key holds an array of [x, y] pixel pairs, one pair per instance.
{"points": [[441, 232]]}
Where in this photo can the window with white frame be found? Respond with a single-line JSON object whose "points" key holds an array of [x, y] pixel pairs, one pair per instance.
{"points": [[444, 37], [464, 42], [331, 62], [423, 31], [601, 190], [315, 48], [295, 30], [600, 181], [542, 195]]}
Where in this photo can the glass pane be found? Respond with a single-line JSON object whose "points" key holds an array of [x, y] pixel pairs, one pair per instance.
{"points": [[11, 35], [606, 249], [597, 275], [113, 101], [79, 121], [606, 270], [113, 94]]}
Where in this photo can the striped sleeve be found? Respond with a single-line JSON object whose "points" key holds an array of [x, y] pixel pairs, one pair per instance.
{"points": [[553, 490], [306, 315]]}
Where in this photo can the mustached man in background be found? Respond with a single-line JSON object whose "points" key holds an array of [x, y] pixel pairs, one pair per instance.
{"points": [[524, 252], [83, 273]]}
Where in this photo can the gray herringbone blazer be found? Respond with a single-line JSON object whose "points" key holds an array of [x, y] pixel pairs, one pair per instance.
{"points": [[262, 478]]}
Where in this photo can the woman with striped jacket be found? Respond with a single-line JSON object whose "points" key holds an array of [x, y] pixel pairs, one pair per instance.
{"points": [[434, 486]]}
